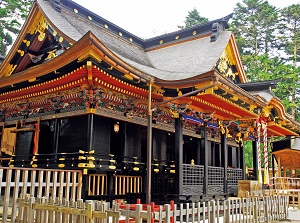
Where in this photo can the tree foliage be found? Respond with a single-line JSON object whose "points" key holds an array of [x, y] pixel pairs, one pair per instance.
{"points": [[268, 41], [269, 44], [290, 32], [193, 18], [254, 25], [12, 12]]}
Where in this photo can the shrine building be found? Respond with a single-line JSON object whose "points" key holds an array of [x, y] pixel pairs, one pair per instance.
{"points": [[160, 118]]}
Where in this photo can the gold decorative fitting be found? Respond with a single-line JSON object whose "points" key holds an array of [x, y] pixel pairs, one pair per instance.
{"points": [[81, 158], [32, 79], [128, 76], [27, 42], [61, 39], [41, 37], [51, 54], [120, 34], [21, 52], [161, 42], [89, 64], [75, 10], [106, 26], [194, 33], [177, 37], [266, 111], [112, 167], [10, 69], [54, 33], [90, 18], [252, 107], [234, 98]]}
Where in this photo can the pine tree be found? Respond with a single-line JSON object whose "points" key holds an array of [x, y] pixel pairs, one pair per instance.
{"points": [[268, 41], [193, 19], [290, 32], [254, 25], [12, 13]]}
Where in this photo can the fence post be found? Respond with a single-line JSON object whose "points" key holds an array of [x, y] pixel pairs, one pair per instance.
{"points": [[212, 213], [181, 211], [193, 212], [226, 211], [266, 208], [31, 210], [6, 195], [256, 210], [15, 195], [298, 200], [149, 214], [89, 211], [286, 206], [167, 209], [138, 209]]}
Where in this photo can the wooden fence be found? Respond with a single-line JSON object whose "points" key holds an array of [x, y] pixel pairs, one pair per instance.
{"points": [[293, 195], [284, 183], [15, 183], [263, 209]]}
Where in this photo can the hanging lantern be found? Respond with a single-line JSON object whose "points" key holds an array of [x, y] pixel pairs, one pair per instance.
{"points": [[116, 127]]}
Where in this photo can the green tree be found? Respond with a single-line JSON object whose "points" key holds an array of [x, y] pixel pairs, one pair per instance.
{"points": [[290, 32], [288, 89], [12, 13], [248, 154], [269, 43], [193, 19], [254, 23]]}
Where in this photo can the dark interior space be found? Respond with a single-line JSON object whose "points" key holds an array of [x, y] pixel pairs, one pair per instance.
{"points": [[73, 134]]}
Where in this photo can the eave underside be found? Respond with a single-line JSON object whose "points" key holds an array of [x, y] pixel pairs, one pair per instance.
{"points": [[288, 158]]}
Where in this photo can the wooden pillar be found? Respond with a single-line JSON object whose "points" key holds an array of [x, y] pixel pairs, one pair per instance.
{"points": [[89, 147], [56, 135], [224, 159], [213, 153], [255, 159], [242, 160], [219, 155], [178, 156], [198, 149], [205, 159], [90, 132], [149, 146], [238, 157], [273, 165], [279, 167]]}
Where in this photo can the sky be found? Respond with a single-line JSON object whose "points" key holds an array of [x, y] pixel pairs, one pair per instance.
{"points": [[149, 18]]}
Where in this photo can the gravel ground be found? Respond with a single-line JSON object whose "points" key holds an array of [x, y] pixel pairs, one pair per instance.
{"points": [[294, 216]]}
